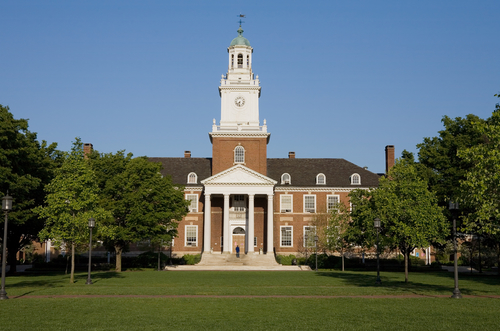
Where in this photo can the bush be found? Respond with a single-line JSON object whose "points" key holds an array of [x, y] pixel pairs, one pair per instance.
{"points": [[149, 260], [191, 259]]}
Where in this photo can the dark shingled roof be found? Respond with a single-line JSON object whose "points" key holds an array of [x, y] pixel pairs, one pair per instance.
{"points": [[303, 172], [180, 167]]}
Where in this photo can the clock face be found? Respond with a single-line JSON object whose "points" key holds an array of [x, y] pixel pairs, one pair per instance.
{"points": [[239, 101]]}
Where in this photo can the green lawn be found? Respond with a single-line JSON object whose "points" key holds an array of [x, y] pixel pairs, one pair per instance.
{"points": [[306, 301]]}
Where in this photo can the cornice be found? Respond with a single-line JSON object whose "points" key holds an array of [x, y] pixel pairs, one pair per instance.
{"points": [[317, 189]]}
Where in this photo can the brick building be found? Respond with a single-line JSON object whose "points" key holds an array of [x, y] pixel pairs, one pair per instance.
{"points": [[241, 197]]}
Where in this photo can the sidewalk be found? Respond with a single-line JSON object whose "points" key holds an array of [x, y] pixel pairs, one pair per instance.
{"points": [[464, 269]]}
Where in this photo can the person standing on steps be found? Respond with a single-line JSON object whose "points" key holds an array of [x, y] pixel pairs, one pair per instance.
{"points": [[237, 251]]}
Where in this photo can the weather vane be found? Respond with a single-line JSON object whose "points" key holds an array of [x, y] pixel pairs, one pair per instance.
{"points": [[241, 16]]}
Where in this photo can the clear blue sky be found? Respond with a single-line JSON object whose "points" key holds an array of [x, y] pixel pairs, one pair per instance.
{"points": [[340, 79]]}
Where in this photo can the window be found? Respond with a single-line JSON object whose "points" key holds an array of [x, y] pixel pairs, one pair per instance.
{"points": [[192, 235], [332, 202], [239, 154], [238, 202], [193, 207], [286, 179], [355, 179], [286, 203], [309, 233], [286, 236], [232, 60], [240, 60], [248, 61], [321, 179], [310, 203], [192, 178], [254, 241]]}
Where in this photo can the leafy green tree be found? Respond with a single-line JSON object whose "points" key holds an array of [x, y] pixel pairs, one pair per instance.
{"points": [[26, 166], [72, 198], [143, 204], [409, 214], [481, 183], [336, 232]]}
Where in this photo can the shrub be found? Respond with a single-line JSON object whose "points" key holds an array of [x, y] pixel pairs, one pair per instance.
{"points": [[285, 259], [191, 259]]}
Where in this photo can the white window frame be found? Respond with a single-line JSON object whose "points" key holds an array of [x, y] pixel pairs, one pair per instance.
{"points": [[237, 157], [329, 206], [285, 210], [308, 229], [355, 179], [193, 207], [192, 178], [286, 181], [191, 243], [308, 210], [291, 235], [318, 179]]}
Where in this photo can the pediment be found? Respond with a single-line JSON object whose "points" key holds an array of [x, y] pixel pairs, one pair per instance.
{"points": [[239, 175]]}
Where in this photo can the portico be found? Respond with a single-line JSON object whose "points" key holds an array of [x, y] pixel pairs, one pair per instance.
{"points": [[240, 185]]}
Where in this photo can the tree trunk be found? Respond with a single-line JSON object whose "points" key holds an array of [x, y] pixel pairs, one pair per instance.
{"points": [[342, 260], [407, 257], [118, 257], [72, 277]]}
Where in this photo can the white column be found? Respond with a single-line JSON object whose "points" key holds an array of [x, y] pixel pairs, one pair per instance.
{"points": [[227, 240], [207, 240], [250, 227], [270, 225]]}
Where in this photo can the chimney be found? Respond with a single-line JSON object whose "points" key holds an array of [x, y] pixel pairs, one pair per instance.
{"points": [[187, 154], [87, 149], [389, 157], [291, 155]]}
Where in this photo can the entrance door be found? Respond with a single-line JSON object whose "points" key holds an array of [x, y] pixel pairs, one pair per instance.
{"points": [[239, 239]]}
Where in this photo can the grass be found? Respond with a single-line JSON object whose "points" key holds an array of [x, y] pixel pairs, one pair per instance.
{"points": [[314, 307]]}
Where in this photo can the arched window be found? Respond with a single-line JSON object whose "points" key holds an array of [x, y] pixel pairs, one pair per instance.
{"points": [[321, 179], [286, 179], [239, 154], [232, 60], [248, 61], [240, 60], [192, 178], [355, 179]]}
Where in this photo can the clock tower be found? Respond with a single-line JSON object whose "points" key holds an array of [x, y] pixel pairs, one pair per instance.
{"points": [[239, 138]]}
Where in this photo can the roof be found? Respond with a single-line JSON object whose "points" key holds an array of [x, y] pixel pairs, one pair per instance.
{"points": [[180, 167], [303, 172], [240, 40]]}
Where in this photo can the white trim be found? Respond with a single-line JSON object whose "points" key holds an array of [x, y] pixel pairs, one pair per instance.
{"points": [[304, 203], [193, 189], [281, 235], [185, 236], [317, 189], [281, 203], [284, 181]]}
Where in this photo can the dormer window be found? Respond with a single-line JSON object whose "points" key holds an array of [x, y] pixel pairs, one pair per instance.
{"points": [[192, 178], [239, 154], [355, 179], [240, 60], [321, 179], [286, 179]]}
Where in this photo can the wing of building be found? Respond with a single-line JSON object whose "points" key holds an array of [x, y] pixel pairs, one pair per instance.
{"points": [[239, 197]]}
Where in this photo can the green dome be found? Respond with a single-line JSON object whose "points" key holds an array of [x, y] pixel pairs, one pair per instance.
{"points": [[240, 40]]}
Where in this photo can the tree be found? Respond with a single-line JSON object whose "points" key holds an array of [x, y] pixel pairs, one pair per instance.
{"points": [[480, 187], [336, 231], [72, 198], [409, 214], [26, 166], [143, 204]]}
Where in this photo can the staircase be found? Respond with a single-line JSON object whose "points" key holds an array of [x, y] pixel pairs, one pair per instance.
{"points": [[231, 262]]}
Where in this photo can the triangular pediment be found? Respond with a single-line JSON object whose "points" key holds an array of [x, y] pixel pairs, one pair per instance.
{"points": [[239, 175]]}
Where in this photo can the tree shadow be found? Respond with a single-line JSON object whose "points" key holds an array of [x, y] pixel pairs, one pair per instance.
{"points": [[399, 287]]}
